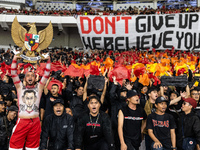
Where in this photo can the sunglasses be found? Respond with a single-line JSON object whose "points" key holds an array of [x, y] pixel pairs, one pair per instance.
{"points": [[195, 93], [184, 103]]}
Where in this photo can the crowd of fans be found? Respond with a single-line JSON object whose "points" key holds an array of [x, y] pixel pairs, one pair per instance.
{"points": [[133, 92], [128, 11]]}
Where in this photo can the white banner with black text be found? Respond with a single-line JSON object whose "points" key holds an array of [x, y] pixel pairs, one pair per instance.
{"points": [[181, 31]]}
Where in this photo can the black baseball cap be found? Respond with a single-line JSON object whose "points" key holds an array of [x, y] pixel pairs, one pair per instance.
{"points": [[131, 93], [61, 101], [160, 100], [13, 108]]}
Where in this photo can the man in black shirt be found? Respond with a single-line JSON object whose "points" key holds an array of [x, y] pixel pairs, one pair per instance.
{"points": [[6, 125], [117, 95], [2, 107], [59, 127], [161, 127], [194, 93], [76, 101], [130, 122], [93, 129], [2, 130], [46, 104], [188, 126], [175, 109]]}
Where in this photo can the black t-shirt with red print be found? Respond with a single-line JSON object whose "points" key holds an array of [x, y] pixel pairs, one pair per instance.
{"points": [[161, 125], [90, 130], [132, 124]]}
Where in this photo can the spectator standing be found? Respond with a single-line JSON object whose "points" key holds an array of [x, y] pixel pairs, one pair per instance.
{"points": [[149, 108], [6, 125], [46, 105], [188, 134], [28, 127], [59, 127], [76, 101], [131, 116], [161, 127], [117, 97], [2, 130], [93, 129]]}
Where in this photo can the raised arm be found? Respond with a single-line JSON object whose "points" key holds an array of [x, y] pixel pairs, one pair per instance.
{"points": [[162, 91], [85, 89], [188, 91], [46, 74], [14, 75], [46, 85], [64, 84], [176, 100], [112, 92], [104, 91], [68, 90]]}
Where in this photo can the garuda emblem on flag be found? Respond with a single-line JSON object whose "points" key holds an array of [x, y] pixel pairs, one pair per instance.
{"points": [[31, 41]]}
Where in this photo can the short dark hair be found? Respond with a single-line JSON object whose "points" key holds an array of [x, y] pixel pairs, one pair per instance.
{"points": [[175, 92], [193, 90], [196, 89], [79, 87], [94, 97], [55, 85]]}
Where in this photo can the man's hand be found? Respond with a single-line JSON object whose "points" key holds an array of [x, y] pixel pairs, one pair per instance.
{"points": [[123, 146], [114, 80], [46, 56], [157, 145], [87, 77], [183, 94], [15, 52], [106, 80]]}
